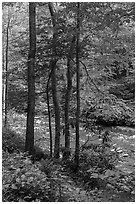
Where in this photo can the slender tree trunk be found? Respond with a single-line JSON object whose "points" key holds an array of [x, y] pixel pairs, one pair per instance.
{"points": [[6, 73], [3, 81], [49, 115], [50, 128], [29, 145], [78, 90], [54, 85], [57, 114], [68, 93], [67, 102]]}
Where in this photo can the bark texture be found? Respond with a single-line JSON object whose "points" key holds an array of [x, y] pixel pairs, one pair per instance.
{"points": [[6, 71], [49, 113], [78, 90], [29, 144], [54, 83], [68, 93]]}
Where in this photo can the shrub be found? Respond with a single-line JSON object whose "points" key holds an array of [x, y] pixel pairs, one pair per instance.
{"points": [[24, 181], [95, 160], [108, 111], [11, 142]]}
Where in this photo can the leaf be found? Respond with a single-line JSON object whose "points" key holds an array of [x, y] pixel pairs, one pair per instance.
{"points": [[90, 170], [109, 173], [18, 180], [14, 187], [30, 179], [17, 171], [94, 175], [23, 177]]}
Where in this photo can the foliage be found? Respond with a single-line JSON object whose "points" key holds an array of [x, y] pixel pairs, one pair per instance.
{"points": [[107, 111], [27, 182], [124, 88], [100, 168], [22, 181], [107, 91], [95, 160], [17, 99], [11, 141]]}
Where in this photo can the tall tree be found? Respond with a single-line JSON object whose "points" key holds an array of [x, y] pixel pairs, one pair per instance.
{"points": [[54, 83], [49, 113], [18, 40], [68, 91], [3, 80], [29, 145], [6, 69], [77, 88]]}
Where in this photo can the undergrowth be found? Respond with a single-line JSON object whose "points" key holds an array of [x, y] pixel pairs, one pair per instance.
{"points": [[43, 179]]}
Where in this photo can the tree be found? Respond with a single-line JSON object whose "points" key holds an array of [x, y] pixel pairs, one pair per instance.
{"points": [[78, 88], [6, 69], [7, 7], [68, 91], [49, 113], [106, 55], [54, 83], [18, 40], [29, 145]]}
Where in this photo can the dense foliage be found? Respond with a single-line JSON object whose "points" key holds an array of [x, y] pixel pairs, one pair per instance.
{"points": [[84, 86], [107, 52], [107, 111], [54, 180]]}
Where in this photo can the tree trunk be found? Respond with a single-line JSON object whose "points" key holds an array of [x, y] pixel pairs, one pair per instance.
{"points": [[6, 72], [49, 114], [50, 128], [3, 82], [68, 93], [57, 114], [54, 84], [78, 91], [29, 145], [67, 102]]}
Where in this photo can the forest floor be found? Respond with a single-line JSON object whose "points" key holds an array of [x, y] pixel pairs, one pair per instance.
{"points": [[120, 185]]}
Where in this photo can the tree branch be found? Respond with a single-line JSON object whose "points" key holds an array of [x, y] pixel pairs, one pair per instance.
{"points": [[90, 77]]}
